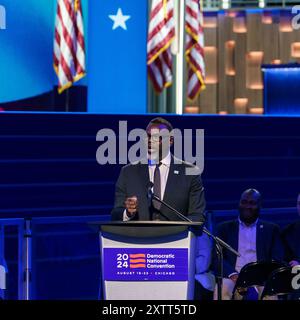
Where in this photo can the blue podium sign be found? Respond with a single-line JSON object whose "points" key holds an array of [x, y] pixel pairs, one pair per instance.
{"points": [[145, 264]]}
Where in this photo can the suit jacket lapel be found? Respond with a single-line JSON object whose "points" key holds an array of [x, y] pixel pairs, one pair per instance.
{"points": [[143, 176], [233, 240], [171, 181], [235, 235]]}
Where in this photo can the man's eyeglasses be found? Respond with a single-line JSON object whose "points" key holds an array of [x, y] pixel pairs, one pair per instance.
{"points": [[157, 137]]}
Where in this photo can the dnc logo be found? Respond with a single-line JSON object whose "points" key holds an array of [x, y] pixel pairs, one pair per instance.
{"points": [[2, 18]]}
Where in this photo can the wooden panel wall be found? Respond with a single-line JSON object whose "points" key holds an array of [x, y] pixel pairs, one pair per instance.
{"points": [[207, 100], [236, 44]]}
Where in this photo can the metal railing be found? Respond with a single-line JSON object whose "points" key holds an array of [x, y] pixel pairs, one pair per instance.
{"points": [[22, 252], [24, 236]]}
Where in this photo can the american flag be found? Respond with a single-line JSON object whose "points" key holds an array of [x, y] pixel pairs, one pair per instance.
{"points": [[161, 33], [194, 48], [69, 46]]}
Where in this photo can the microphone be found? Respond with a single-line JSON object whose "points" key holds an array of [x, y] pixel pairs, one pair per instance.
{"points": [[186, 219], [179, 214], [151, 196], [219, 243]]}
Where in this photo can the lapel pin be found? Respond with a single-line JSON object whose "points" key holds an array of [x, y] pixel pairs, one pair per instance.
{"points": [[176, 172]]}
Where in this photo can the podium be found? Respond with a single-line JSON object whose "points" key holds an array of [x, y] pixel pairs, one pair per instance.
{"points": [[281, 89], [148, 260]]}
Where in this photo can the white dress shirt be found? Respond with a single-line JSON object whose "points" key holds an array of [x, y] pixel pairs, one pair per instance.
{"points": [[164, 173], [247, 245]]}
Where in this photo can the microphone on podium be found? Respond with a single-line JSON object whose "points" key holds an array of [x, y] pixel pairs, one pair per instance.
{"points": [[151, 196], [219, 243], [182, 217]]}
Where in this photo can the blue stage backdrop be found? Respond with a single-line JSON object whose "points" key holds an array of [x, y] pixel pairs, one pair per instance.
{"points": [[26, 48], [117, 56]]}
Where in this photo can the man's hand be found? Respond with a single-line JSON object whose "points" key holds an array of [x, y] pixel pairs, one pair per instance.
{"points": [[234, 277], [294, 263], [131, 205]]}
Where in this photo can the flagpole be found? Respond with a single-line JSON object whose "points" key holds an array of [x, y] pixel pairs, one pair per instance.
{"points": [[178, 50], [67, 100]]}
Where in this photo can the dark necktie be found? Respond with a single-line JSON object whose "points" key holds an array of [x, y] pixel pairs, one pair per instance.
{"points": [[157, 187]]}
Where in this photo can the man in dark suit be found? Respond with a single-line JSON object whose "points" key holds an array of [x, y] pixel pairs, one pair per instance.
{"points": [[254, 239], [291, 239], [170, 182]]}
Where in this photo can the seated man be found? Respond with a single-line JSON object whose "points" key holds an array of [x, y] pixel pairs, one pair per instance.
{"points": [[204, 278], [254, 239], [291, 241]]}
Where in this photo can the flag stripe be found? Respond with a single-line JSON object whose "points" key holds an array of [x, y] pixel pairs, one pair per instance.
{"points": [[161, 33], [161, 46], [161, 20], [67, 34], [69, 43], [160, 29], [194, 48]]}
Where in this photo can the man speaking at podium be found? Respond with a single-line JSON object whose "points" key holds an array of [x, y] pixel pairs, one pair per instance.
{"points": [[162, 176]]}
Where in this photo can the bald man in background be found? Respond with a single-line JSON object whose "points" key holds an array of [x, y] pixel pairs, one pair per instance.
{"points": [[254, 239]]}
